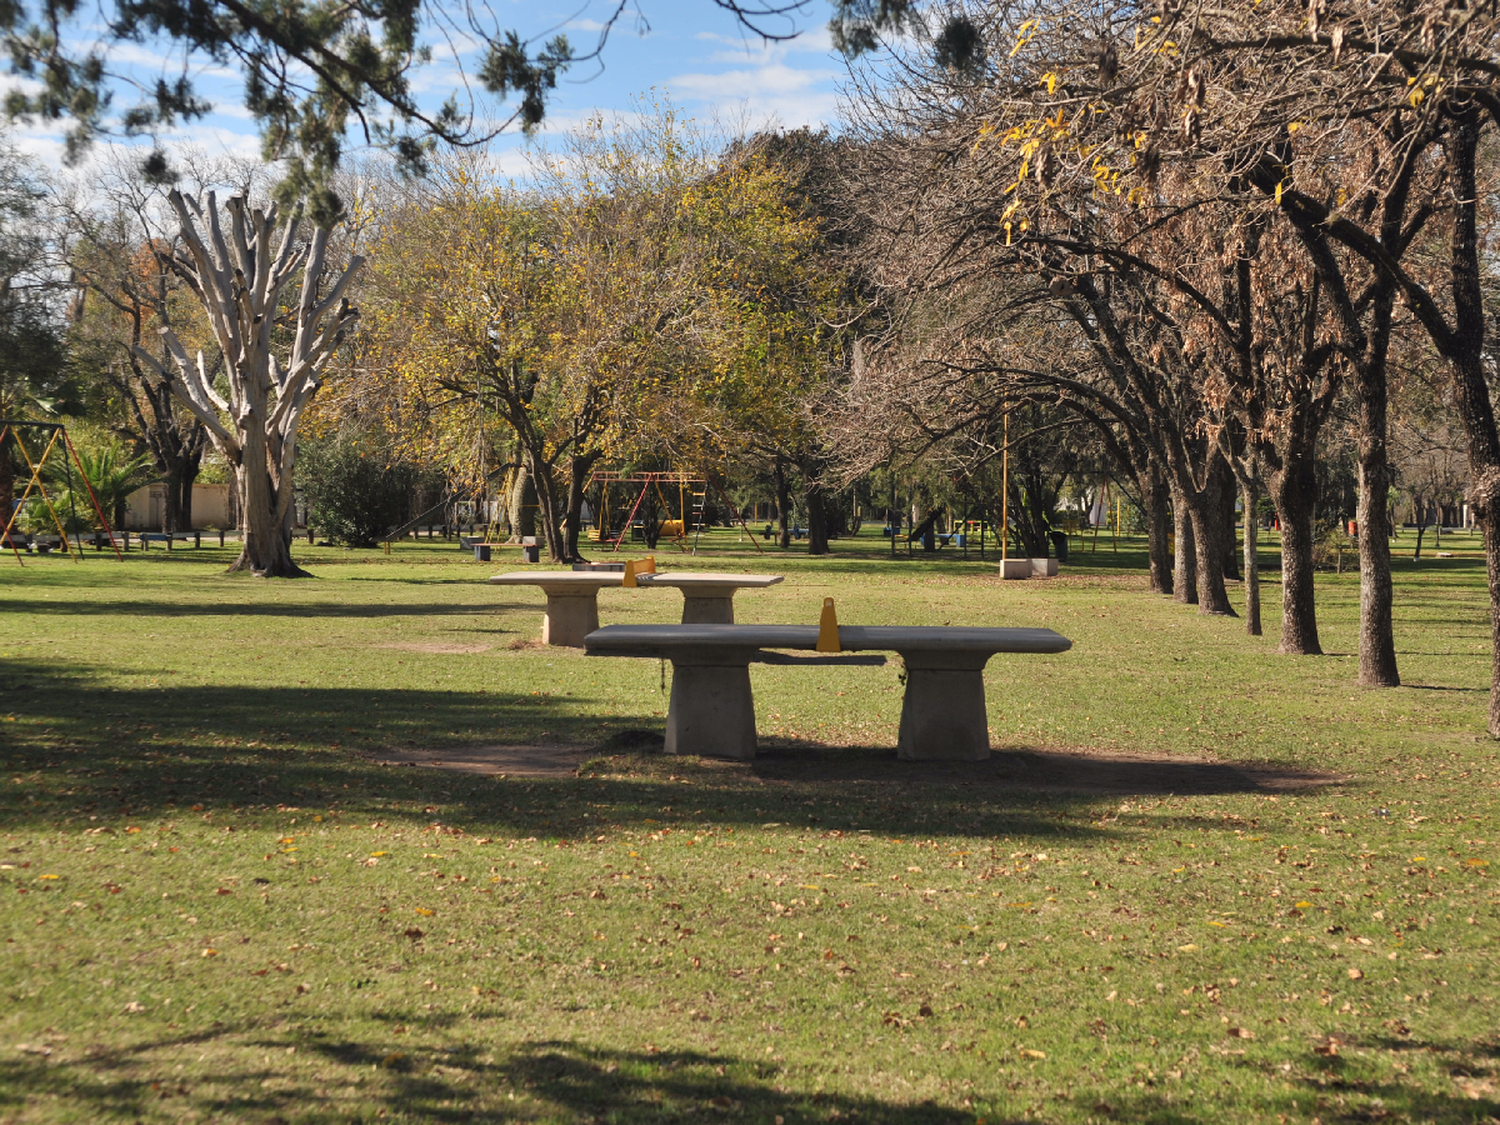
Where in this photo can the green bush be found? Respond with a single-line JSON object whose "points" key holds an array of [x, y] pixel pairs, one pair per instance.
{"points": [[356, 493]]}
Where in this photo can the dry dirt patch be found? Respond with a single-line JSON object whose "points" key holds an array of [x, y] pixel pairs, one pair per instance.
{"points": [[550, 760]]}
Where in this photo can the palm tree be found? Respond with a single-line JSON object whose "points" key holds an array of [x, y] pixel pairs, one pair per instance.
{"points": [[112, 473]]}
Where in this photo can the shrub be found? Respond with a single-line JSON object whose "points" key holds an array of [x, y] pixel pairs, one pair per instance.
{"points": [[356, 493]]}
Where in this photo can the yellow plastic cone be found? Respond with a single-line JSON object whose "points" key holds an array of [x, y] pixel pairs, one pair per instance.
{"points": [[828, 629], [629, 581]]}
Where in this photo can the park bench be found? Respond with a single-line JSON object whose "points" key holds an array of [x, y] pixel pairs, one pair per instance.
{"points": [[573, 596], [149, 537], [712, 712]]}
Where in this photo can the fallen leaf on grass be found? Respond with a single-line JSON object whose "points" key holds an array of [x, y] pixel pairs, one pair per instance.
{"points": [[1188, 948], [1028, 1053], [1241, 1033], [414, 933], [424, 912], [1329, 1047], [135, 1006], [1356, 974], [34, 1048], [210, 953]]}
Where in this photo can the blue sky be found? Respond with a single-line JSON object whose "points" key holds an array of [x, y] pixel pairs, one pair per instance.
{"points": [[689, 51]]}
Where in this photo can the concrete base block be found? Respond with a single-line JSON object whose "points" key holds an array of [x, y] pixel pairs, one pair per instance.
{"points": [[712, 713], [570, 618], [943, 716], [716, 610], [1043, 568], [1015, 568]]}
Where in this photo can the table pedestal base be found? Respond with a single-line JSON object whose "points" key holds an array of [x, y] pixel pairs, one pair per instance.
{"points": [[712, 713], [943, 717], [570, 617], [717, 609]]}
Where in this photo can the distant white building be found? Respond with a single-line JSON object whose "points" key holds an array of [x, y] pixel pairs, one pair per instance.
{"points": [[144, 507]]}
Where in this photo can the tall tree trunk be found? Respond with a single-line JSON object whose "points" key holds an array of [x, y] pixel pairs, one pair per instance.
{"points": [[1158, 521], [1185, 561], [1205, 513], [171, 507], [1227, 498], [547, 508], [573, 516], [192, 465], [1294, 492], [783, 504], [1377, 640], [1464, 350], [817, 514], [266, 549], [1250, 495], [521, 505]]}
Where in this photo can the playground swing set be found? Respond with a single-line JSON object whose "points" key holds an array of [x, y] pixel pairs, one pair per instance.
{"points": [[11, 428], [689, 488]]}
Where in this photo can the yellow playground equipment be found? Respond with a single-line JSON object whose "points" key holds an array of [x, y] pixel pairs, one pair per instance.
{"points": [[692, 503]]}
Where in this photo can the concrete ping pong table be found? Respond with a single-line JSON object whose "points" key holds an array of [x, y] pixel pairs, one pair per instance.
{"points": [[712, 712], [573, 596]]}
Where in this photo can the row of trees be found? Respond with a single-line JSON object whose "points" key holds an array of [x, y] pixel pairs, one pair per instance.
{"points": [[1207, 234]]}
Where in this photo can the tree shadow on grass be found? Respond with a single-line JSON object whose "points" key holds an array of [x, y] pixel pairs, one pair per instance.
{"points": [[87, 752], [461, 1074], [143, 610], [1043, 771], [549, 1080]]}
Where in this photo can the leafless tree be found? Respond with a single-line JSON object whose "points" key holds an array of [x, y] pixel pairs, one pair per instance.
{"points": [[238, 276]]}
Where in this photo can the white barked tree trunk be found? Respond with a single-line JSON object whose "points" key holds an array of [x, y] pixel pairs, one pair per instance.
{"points": [[239, 275]]}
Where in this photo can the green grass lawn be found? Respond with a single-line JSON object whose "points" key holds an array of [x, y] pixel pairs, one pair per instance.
{"points": [[223, 906]]}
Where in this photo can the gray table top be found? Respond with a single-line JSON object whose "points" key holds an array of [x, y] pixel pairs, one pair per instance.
{"points": [[852, 638], [694, 579], [560, 578]]}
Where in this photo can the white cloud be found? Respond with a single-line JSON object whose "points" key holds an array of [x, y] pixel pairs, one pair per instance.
{"points": [[776, 79], [813, 41]]}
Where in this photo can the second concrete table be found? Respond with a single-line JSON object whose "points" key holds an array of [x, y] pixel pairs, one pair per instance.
{"points": [[572, 600], [708, 596]]}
